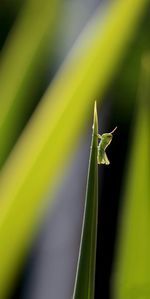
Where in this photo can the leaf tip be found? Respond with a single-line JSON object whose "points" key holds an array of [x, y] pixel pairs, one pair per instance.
{"points": [[95, 121]]}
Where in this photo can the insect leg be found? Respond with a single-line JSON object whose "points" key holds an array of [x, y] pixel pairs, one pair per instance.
{"points": [[99, 136]]}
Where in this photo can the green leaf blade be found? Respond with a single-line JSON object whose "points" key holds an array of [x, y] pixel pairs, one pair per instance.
{"points": [[131, 277], [25, 50], [85, 276]]}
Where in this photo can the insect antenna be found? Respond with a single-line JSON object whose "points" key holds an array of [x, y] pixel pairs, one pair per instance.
{"points": [[113, 130]]}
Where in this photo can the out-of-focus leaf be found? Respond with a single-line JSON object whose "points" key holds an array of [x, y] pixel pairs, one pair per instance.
{"points": [[132, 268], [85, 275], [23, 54], [52, 132]]}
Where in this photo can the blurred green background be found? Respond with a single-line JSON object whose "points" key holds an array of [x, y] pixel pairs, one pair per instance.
{"points": [[56, 58]]}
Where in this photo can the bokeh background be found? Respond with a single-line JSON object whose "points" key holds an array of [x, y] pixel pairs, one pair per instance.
{"points": [[48, 271]]}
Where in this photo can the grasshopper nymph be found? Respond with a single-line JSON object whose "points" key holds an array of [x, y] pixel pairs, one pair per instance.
{"points": [[105, 140]]}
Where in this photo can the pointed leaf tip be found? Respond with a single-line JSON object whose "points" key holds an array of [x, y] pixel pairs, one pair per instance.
{"points": [[95, 121]]}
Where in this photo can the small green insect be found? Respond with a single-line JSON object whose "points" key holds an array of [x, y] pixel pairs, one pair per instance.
{"points": [[106, 139]]}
